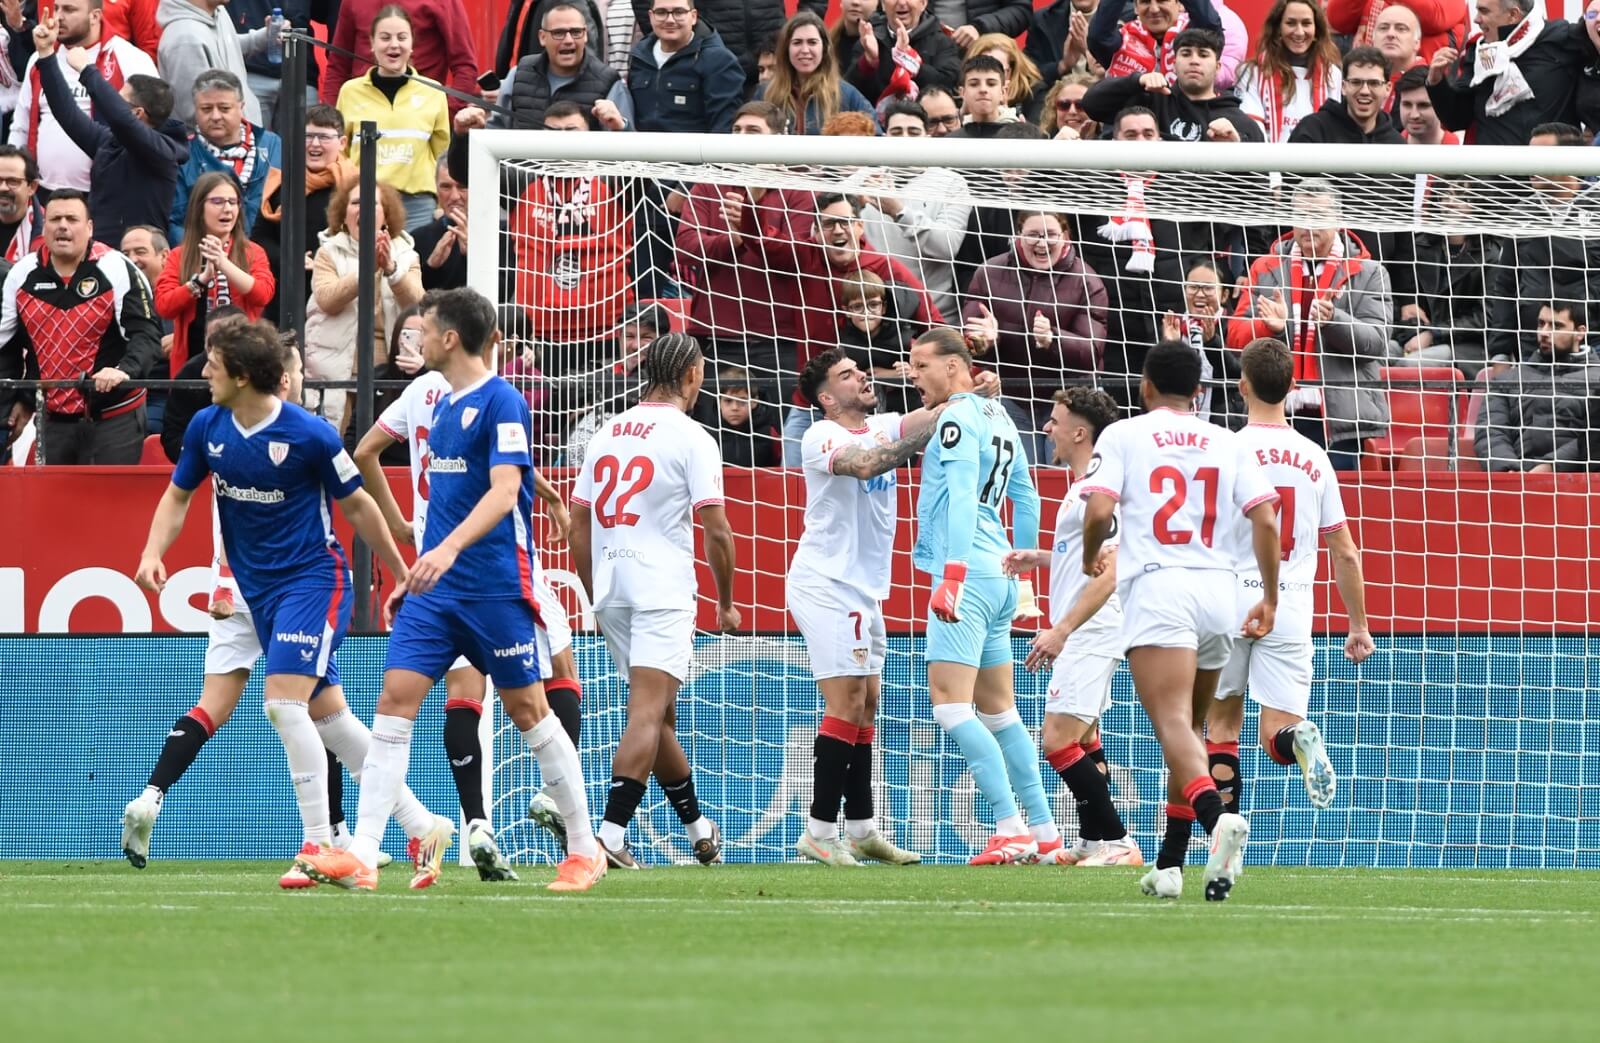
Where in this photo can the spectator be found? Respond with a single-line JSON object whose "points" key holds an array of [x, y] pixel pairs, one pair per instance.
{"points": [[855, 17], [983, 98], [442, 35], [35, 125], [214, 265], [327, 170], [412, 116], [21, 212], [135, 21], [330, 349], [78, 310], [767, 59], [1058, 40], [1202, 325], [525, 20], [146, 246], [920, 220], [1149, 42], [681, 77], [907, 47], [225, 140], [991, 230], [404, 363], [742, 24], [1419, 123], [1529, 78], [944, 117], [1319, 291], [747, 428], [563, 69], [1195, 111], [198, 36], [968, 20], [135, 146], [1295, 70], [616, 388], [873, 335], [1397, 35], [1038, 314], [1537, 414], [1023, 93], [183, 403], [1062, 114], [1358, 117], [805, 82], [442, 243], [1368, 22], [265, 77]]}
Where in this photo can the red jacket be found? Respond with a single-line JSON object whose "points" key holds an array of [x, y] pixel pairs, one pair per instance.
{"points": [[573, 238], [1438, 18], [175, 303], [133, 20], [736, 288], [441, 35]]}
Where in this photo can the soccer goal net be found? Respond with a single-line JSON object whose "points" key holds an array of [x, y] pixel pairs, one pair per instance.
{"points": [[1436, 301]]}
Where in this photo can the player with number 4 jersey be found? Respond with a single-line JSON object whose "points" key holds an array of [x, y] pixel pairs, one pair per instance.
{"points": [[1277, 669], [974, 463], [1180, 483]]}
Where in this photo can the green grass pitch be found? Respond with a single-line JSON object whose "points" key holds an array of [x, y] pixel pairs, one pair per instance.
{"points": [[213, 951]]}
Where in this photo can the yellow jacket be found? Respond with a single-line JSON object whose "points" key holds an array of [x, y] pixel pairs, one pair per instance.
{"points": [[413, 133]]}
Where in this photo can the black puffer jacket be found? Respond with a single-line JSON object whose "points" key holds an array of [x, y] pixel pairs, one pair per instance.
{"points": [[987, 16], [520, 35], [941, 58], [1538, 412], [744, 25]]}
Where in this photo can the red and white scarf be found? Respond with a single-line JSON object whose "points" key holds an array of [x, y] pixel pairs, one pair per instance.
{"points": [[105, 61], [1140, 53], [1274, 92], [1132, 226], [1497, 61], [241, 157], [903, 82], [22, 242], [1308, 281]]}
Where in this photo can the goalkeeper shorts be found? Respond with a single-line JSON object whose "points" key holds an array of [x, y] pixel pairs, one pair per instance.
{"points": [[982, 637]]}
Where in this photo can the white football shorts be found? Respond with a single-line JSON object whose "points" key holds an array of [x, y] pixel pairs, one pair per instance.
{"points": [[1181, 608], [232, 644], [658, 638], [1080, 686], [1277, 674], [842, 626]]}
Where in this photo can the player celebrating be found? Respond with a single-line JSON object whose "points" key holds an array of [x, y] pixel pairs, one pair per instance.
{"points": [[1173, 473], [275, 466], [974, 463], [648, 471], [1277, 668], [470, 593], [1081, 645]]}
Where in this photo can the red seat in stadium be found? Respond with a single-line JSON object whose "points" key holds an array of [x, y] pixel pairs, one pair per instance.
{"points": [[1416, 410], [1433, 454], [152, 455], [677, 310]]}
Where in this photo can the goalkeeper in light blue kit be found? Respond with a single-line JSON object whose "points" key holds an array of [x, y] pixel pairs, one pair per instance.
{"points": [[974, 463]]}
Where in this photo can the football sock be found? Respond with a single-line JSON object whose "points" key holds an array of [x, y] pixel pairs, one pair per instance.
{"points": [[462, 746], [1080, 775], [1022, 769], [621, 802], [383, 775], [1281, 748], [335, 793], [1175, 842], [1224, 758], [565, 696], [1112, 826], [1096, 753], [563, 781], [188, 734], [985, 760], [348, 739], [308, 766], [832, 752], [859, 818], [1202, 795]]}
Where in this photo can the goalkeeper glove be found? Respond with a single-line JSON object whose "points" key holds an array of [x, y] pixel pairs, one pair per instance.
{"points": [[946, 602]]}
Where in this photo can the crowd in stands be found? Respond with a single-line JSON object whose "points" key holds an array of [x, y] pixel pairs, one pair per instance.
{"points": [[141, 197]]}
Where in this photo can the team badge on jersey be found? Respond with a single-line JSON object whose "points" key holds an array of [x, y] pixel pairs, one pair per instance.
{"points": [[277, 452], [468, 415], [88, 288]]}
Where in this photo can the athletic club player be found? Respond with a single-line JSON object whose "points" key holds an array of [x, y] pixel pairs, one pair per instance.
{"points": [[470, 593], [1080, 648], [1277, 668], [1180, 481], [648, 473]]}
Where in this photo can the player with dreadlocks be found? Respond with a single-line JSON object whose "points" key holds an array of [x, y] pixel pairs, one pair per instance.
{"points": [[647, 473]]}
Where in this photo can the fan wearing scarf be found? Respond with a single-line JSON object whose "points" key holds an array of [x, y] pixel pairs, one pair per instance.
{"points": [[1148, 43], [225, 140], [1295, 70], [62, 164], [1520, 72]]}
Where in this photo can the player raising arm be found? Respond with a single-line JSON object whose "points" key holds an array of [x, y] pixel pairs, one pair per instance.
{"points": [[1080, 647], [275, 467], [1179, 481], [1277, 668], [974, 463], [470, 593], [648, 472]]}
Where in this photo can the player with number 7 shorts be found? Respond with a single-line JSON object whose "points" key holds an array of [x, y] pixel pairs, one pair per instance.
{"points": [[974, 463], [1181, 482], [1277, 669]]}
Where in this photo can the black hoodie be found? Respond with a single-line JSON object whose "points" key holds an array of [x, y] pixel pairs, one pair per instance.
{"points": [[1332, 125], [1180, 117]]}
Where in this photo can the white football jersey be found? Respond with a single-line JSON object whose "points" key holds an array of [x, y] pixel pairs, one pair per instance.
{"points": [[647, 471], [1097, 636], [1181, 483], [849, 526], [1309, 507], [407, 419]]}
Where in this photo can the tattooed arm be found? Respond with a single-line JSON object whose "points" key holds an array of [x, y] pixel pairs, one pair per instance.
{"points": [[859, 461]]}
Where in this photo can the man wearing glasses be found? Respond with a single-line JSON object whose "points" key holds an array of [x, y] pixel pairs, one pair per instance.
{"points": [[1357, 118], [944, 117], [225, 140], [682, 78]]}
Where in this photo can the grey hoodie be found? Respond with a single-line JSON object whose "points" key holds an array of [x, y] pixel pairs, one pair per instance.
{"points": [[193, 41]]}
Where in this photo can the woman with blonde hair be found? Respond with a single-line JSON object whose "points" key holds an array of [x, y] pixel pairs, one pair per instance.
{"points": [[1295, 70], [1022, 75], [1062, 110], [335, 285], [805, 82]]}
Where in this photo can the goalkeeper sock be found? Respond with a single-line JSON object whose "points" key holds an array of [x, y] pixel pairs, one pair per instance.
{"points": [[986, 761], [1281, 748], [832, 751], [859, 817], [1022, 769], [1202, 795], [348, 739], [184, 740], [565, 696], [1224, 758], [1081, 777], [335, 792], [621, 802], [308, 766], [1175, 842], [383, 775], [563, 781], [462, 746]]}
